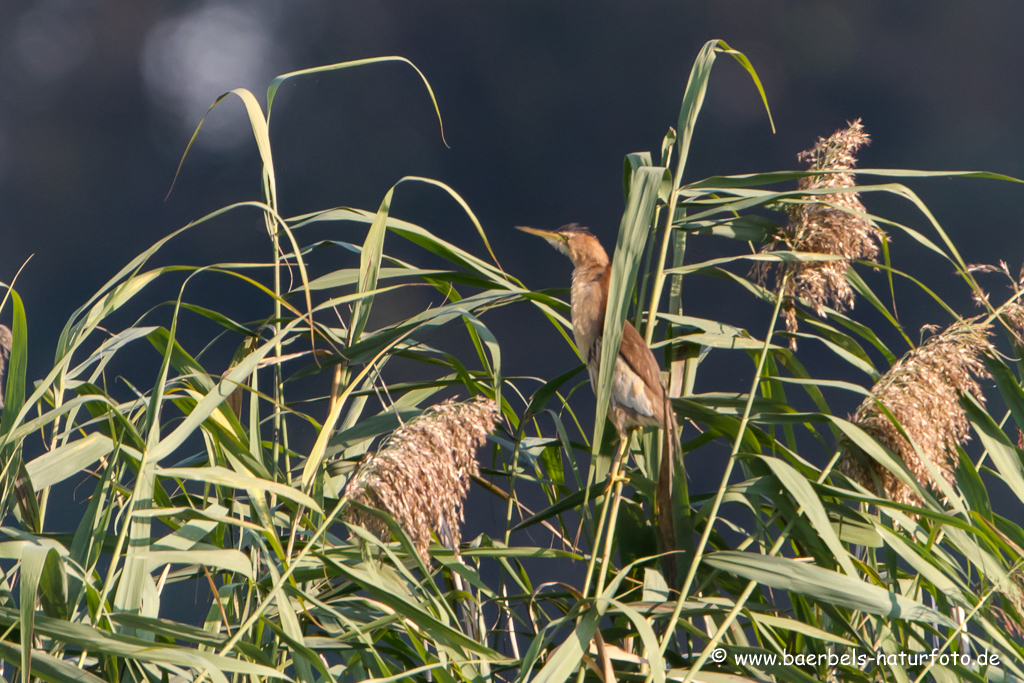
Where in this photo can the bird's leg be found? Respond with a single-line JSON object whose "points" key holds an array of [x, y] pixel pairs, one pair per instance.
{"points": [[613, 479], [616, 482], [613, 475]]}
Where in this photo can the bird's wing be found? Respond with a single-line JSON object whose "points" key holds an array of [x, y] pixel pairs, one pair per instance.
{"points": [[637, 379], [631, 392], [629, 389], [637, 355]]}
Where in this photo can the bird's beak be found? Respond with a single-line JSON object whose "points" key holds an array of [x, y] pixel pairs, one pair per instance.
{"points": [[557, 240], [546, 234]]}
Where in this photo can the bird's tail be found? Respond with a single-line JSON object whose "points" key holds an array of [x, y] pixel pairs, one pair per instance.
{"points": [[664, 493]]}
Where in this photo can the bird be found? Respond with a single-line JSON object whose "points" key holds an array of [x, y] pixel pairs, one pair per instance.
{"points": [[6, 341], [638, 395]]}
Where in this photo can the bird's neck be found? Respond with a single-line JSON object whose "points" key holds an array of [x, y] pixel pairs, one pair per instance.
{"points": [[589, 298]]}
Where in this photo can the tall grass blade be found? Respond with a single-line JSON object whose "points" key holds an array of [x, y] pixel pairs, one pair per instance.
{"points": [[648, 182], [15, 479], [829, 587]]}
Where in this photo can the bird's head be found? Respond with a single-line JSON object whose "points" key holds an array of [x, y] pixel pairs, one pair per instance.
{"points": [[576, 242]]}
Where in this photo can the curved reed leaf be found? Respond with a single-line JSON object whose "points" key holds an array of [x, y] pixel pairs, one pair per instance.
{"points": [[824, 585], [693, 96], [647, 184], [276, 83]]}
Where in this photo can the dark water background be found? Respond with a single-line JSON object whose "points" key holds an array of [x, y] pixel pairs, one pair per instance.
{"points": [[540, 101]]}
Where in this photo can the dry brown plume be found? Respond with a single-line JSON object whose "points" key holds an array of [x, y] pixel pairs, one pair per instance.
{"points": [[421, 475], [1012, 312], [828, 224], [922, 391]]}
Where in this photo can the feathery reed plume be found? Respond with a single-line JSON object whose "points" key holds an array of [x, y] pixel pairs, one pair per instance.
{"points": [[1011, 312], [421, 475], [833, 224], [6, 342], [922, 392]]}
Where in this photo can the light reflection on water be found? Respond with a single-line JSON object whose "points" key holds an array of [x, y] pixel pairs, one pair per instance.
{"points": [[189, 60]]}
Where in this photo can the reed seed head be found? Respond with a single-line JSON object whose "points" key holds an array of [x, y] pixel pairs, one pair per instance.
{"points": [[1011, 312], [922, 392], [421, 474], [830, 223]]}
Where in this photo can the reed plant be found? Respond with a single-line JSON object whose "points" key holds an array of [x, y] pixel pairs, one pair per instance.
{"points": [[317, 495]]}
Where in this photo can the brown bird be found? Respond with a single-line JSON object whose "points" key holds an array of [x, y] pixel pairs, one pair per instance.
{"points": [[638, 396], [6, 341]]}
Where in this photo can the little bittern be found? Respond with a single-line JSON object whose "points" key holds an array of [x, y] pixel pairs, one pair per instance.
{"points": [[638, 396], [5, 352]]}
